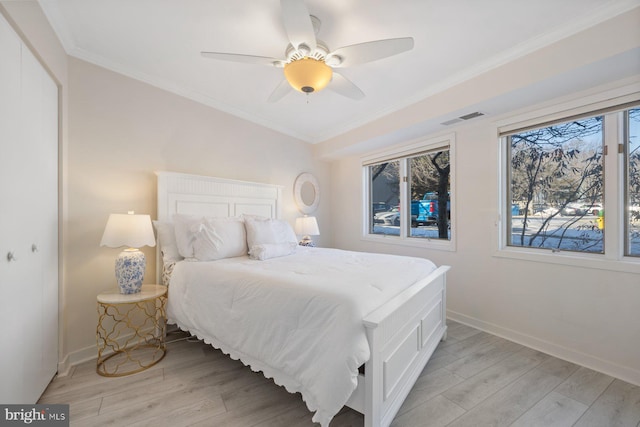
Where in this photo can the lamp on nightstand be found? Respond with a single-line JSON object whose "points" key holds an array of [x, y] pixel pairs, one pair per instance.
{"points": [[307, 226], [132, 231]]}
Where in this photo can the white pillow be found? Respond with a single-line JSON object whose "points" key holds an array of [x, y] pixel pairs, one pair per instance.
{"points": [[209, 239], [261, 231], [219, 238], [272, 250], [185, 227], [167, 241]]}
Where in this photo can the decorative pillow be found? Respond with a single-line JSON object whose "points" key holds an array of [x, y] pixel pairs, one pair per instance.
{"points": [[219, 238], [167, 270], [272, 250], [167, 241], [260, 231]]}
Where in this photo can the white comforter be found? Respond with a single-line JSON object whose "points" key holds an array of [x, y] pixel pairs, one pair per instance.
{"points": [[296, 318]]}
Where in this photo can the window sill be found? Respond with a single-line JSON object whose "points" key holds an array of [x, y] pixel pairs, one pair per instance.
{"points": [[424, 243], [593, 261]]}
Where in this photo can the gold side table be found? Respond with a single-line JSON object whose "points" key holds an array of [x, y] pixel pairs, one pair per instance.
{"points": [[131, 330]]}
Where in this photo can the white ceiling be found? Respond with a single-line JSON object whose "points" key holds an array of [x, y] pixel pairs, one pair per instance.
{"points": [[159, 42]]}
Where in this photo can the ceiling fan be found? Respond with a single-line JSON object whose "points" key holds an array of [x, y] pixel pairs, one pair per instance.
{"points": [[309, 65]]}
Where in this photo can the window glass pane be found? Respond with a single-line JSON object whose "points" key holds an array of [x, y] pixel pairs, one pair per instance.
{"points": [[556, 185], [384, 184], [633, 182], [429, 189]]}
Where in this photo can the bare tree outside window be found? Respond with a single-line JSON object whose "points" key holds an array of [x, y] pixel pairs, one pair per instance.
{"points": [[632, 223], [556, 187]]}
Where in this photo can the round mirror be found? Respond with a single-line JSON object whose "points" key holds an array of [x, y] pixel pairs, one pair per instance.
{"points": [[306, 193]]}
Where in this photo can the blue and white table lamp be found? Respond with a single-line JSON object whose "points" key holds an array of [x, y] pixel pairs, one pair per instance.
{"points": [[131, 231], [307, 226]]}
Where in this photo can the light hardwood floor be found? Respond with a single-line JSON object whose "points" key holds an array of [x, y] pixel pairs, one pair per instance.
{"points": [[473, 379]]}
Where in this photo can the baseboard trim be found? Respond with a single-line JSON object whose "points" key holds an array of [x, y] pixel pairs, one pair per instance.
{"points": [[624, 373], [64, 367], [88, 353], [75, 358]]}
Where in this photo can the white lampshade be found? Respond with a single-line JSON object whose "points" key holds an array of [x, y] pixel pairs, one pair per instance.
{"points": [[130, 230], [307, 226]]}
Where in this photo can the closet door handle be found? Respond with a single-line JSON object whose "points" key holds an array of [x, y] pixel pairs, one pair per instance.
{"points": [[11, 257]]}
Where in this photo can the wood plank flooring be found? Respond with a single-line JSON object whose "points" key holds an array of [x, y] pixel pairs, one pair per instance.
{"points": [[473, 379]]}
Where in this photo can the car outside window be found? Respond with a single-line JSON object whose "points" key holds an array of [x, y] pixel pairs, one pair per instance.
{"points": [[384, 187]]}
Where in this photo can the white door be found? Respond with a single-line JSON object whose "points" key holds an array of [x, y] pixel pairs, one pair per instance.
{"points": [[28, 222], [11, 270]]}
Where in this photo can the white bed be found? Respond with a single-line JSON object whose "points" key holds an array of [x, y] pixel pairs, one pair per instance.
{"points": [[392, 320]]}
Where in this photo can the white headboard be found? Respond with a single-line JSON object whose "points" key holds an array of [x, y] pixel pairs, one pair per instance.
{"points": [[203, 195], [180, 193]]}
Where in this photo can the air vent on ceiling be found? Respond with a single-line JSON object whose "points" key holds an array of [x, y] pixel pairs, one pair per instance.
{"points": [[472, 115], [452, 121], [462, 118]]}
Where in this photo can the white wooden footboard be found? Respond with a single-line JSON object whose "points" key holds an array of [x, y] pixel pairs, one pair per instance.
{"points": [[402, 336]]}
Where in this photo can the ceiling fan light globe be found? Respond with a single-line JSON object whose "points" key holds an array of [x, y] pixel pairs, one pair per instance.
{"points": [[308, 75]]}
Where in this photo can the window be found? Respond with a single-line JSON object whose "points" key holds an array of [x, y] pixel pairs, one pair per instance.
{"points": [[405, 192], [430, 189], [559, 180], [632, 185], [556, 186], [384, 186]]}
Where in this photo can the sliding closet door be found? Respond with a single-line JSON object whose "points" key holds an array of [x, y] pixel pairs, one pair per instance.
{"points": [[11, 271], [39, 220], [28, 222]]}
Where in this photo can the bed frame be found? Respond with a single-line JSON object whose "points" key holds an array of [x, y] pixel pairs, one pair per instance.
{"points": [[402, 334]]}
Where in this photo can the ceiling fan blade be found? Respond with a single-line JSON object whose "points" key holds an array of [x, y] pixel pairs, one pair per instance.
{"points": [[343, 86], [297, 23], [280, 91], [370, 51], [246, 59]]}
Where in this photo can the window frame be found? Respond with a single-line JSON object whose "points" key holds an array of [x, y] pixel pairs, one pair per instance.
{"points": [[403, 153], [611, 105]]}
